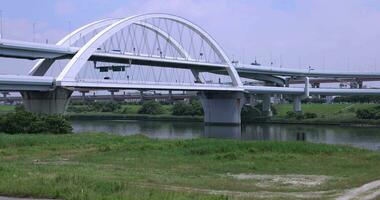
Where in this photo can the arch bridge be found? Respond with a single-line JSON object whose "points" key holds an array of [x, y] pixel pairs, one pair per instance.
{"points": [[155, 52]]}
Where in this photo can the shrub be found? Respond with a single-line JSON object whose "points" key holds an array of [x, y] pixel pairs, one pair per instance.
{"points": [[182, 108], [366, 114], [151, 107], [291, 114], [104, 107], [95, 107], [259, 107], [56, 124], [249, 113], [26, 122], [125, 110], [309, 115], [300, 115], [196, 107]]}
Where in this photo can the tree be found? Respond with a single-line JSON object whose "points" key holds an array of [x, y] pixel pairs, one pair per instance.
{"points": [[151, 107]]}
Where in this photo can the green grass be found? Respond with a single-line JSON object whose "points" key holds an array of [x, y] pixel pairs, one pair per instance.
{"points": [[101, 166], [327, 113], [133, 109], [6, 108]]}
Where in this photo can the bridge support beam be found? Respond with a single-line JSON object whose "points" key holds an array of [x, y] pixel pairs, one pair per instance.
{"points": [[51, 102], [222, 107], [297, 104]]}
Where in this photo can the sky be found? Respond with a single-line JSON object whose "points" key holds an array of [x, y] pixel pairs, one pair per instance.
{"points": [[324, 34]]}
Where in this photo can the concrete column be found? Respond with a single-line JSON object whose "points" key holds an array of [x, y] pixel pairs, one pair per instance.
{"points": [[141, 96], [83, 96], [252, 100], [360, 84], [112, 95], [297, 104], [51, 102], [170, 96], [222, 107], [266, 105]]}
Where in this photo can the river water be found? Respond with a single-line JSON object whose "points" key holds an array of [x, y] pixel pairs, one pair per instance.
{"points": [[363, 137]]}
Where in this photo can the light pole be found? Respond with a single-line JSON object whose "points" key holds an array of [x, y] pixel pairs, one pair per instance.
{"points": [[310, 69], [34, 32], [1, 24]]}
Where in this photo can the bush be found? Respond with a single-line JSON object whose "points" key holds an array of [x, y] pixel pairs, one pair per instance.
{"points": [[249, 113], [104, 107], [309, 115], [300, 115], [291, 114], [26, 122], [196, 107], [94, 107], [125, 110], [151, 107], [259, 107], [182, 108], [366, 114]]}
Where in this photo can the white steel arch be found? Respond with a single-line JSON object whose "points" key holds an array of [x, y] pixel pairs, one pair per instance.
{"points": [[78, 61], [41, 67], [179, 48]]}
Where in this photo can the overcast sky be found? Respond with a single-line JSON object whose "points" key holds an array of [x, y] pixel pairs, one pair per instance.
{"points": [[325, 34]]}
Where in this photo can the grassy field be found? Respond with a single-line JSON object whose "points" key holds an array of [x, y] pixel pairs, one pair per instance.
{"points": [[327, 113], [101, 166], [6, 108], [133, 109], [327, 110]]}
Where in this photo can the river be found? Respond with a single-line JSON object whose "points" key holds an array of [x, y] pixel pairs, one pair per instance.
{"points": [[363, 137]]}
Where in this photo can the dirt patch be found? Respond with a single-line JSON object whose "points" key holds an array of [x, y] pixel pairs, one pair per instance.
{"points": [[289, 180], [365, 192], [259, 194], [63, 161]]}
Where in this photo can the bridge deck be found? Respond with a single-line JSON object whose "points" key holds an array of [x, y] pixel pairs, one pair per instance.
{"points": [[29, 50]]}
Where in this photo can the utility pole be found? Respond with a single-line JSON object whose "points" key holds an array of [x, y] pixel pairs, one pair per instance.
{"points": [[34, 32], [69, 27], [1, 24]]}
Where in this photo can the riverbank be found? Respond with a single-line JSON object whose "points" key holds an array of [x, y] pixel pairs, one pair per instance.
{"points": [[119, 116], [102, 166], [326, 114]]}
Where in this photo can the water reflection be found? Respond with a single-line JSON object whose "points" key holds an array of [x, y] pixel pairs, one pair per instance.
{"points": [[364, 137]]}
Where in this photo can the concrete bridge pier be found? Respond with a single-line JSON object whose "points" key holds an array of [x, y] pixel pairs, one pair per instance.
{"points": [[297, 104], [266, 105], [50, 102], [222, 107]]}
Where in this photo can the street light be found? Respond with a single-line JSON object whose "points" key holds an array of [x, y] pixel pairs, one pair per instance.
{"points": [[310, 69], [1, 24]]}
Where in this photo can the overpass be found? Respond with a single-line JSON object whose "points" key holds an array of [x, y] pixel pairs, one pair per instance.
{"points": [[158, 52]]}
